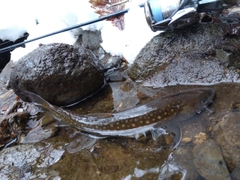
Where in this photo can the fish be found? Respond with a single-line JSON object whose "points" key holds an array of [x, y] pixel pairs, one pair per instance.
{"points": [[168, 110]]}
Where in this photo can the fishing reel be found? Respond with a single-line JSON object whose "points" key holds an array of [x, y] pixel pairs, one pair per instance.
{"points": [[164, 15]]}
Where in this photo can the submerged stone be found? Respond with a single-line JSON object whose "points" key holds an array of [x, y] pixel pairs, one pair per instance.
{"points": [[227, 135], [61, 73], [29, 161], [209, 161]]}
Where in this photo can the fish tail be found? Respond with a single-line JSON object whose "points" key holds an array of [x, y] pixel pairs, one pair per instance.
{"points": [[37, 100]]}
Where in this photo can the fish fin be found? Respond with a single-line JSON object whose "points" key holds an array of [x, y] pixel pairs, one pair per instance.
{"points": [[209, 110], [157, 132], [158, 137], [37, 100], [173, 128], [61, 124], [80, 143]]}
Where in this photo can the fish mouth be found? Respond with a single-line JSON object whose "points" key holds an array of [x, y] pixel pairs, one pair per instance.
{"points": [[208, 98]]}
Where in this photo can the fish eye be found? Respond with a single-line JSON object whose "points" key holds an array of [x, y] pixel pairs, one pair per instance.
{"points": [[204, 101]]}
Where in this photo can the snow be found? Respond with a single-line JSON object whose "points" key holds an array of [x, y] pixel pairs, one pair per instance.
{"points": [[132, 39], [13, 26], [55, 15]]}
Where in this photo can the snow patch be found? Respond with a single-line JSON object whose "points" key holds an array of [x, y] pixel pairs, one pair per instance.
{"points": [[132, 39], [55, 15]]}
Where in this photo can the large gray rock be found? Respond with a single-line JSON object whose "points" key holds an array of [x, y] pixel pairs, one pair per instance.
{"points": [[209, 161], [60, 73], [194, 55], [227, 135]]}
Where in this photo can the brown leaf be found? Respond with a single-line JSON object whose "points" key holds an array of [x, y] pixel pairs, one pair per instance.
{"points": [[104, 7], [97, 3]]}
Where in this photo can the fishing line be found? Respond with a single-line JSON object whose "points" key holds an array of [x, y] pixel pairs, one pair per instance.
{"points": [[12, 47]]}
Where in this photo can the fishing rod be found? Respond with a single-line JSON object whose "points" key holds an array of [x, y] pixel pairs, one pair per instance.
{"points": [[12, 47], [161, 15]]}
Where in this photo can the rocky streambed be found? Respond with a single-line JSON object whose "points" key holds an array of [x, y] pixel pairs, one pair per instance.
{"points": [[36, 146]]}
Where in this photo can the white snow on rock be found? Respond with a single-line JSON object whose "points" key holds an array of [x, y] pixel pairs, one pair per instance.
{"points": [[132, 39], [55, 15]]}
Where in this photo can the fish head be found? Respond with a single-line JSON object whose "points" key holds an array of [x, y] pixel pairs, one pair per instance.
{"points": [[195, 101], [37, 100], [205, 98]]}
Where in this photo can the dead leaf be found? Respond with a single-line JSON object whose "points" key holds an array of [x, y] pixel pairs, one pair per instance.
{"points": [[104, 7]]}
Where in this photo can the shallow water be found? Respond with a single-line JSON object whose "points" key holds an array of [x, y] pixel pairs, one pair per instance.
{"points": [[118, 158]]}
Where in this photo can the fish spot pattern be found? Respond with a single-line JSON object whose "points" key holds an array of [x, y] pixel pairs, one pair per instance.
{"points": [[129, 123]]}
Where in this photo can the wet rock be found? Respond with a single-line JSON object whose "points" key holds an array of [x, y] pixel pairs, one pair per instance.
{"points": [[40, 132], [184, 158], [6, 101], [60, 73], [191, 71], [107, 160], [165, 47], [29, 161], [91, 40], [186, 56], [110, 62], [228, 54], [230, 21], [227, 135], [236, 174], [13, 118], [5, 77], [209, 161], [10, 127]]}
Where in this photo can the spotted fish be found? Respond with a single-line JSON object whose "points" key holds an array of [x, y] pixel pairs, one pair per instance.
{"points": [[157, 113]]}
